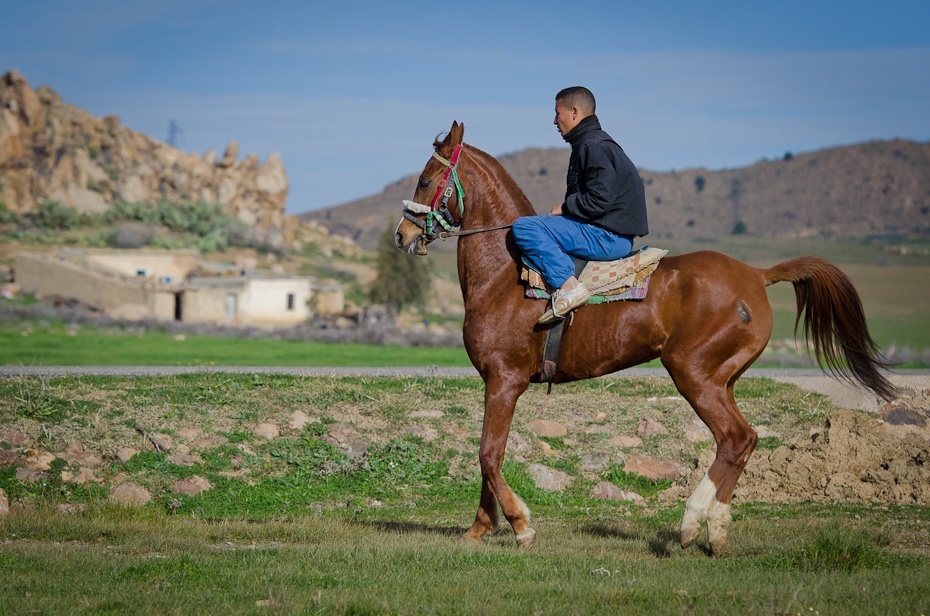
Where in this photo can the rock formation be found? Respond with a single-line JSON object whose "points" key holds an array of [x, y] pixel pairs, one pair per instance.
{"points": [[50, 150]]}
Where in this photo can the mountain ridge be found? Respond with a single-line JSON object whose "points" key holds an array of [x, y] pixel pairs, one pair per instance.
{"points": [[879, 187]]}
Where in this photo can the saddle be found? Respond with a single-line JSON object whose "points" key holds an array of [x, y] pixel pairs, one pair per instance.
{"points": [[608, 281]]}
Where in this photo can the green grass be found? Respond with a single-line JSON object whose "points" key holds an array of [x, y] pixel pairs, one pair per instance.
{"points": [[52, 344], [296, 525], [112, 561]]}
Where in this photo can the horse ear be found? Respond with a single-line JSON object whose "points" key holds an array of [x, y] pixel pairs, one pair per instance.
{"points": [[454, 138]]}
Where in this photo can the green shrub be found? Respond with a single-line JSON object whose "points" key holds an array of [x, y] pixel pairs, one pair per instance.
{"points": [[6, 216], [56, 215], [131, 212]]}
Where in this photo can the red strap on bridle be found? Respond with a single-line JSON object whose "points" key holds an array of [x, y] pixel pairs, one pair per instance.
{"points": [[453, 161]]}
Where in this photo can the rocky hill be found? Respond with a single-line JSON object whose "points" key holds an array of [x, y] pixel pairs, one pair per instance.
{"points": [[874, 188], [50, 150]]}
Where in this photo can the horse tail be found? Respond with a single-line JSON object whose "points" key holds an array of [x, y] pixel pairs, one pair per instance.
{"points": [[834, 321]]}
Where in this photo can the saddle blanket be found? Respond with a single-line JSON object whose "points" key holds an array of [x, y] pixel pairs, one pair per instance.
{"points": [[608, 281]]}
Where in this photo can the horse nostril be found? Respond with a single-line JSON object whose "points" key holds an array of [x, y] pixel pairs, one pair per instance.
{"points": [[398, 240]]}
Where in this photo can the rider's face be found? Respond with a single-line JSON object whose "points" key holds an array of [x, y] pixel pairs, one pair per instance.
{"points": [[566, 118]]}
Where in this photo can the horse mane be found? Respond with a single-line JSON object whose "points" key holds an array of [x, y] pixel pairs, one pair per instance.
{"points": [[495, 176]]}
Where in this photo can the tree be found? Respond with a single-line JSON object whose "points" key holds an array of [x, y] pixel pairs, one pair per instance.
{"points": [[403, 279]]}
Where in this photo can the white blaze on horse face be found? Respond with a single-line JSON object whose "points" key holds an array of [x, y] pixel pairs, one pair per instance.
{"points": [[415, 208]]}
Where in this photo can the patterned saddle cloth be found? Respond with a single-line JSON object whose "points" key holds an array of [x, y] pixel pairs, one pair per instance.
{"points": [[608, 281]]}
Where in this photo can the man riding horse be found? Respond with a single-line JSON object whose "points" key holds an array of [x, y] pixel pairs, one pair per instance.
{"points": [[603, 210]]}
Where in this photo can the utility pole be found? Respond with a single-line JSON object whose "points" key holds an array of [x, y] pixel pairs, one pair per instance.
{"points": [[173, 131]]}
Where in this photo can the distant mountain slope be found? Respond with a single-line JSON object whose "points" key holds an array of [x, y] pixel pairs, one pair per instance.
{"points": [[878, 187]]}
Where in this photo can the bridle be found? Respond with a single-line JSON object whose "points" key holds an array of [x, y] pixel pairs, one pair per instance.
{"points": [[439, 221]]}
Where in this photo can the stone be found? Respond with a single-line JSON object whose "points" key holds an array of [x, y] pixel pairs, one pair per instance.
{"points": [[653, 469], [626, 441], [272, 178], [229, 156], [77, 454], [430, 414], [185, 459], [191, 486], [517, 444], [608, 491], [267, 431], [130, 495], [8, 458], [4, 503], [357, 449], [208, 440], [596, 461], [299, 419], [547, 428], [34, 459], [425, 432], [188, 433], [30, 475], [650, 427], [125, 454], [548, 478], [341, 435], [85, 476], [165, 442], [14, 438], [697, 432]]}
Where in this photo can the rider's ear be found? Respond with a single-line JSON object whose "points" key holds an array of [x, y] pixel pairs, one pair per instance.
{"points": [[454, 138]]}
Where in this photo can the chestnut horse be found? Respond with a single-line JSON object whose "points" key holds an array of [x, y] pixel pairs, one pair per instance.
{"points": [[706, 316]]}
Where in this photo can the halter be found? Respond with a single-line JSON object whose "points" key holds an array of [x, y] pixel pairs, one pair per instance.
{"points": [[439, 216]]}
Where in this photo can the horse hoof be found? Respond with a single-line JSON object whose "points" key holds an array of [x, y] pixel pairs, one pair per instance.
{"points": [[718, 545], [688, 535], [468, 540], [526, 539]]}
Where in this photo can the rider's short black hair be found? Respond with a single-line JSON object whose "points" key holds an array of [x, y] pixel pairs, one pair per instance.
{"points": [[577, 96]]}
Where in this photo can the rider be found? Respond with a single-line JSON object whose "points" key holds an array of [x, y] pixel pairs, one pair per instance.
{"points": [[603, 210]]}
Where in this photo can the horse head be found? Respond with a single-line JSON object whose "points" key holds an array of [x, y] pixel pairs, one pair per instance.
{"points": [[438, 203]]}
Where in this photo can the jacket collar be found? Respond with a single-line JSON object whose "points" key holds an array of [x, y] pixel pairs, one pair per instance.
{"points": [[577, 134]]}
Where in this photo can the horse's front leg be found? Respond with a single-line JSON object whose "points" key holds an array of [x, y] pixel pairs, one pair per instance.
{"points": [[500, 399]]}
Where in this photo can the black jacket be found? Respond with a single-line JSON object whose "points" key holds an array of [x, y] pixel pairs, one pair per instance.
{"points": [[603, 185]]}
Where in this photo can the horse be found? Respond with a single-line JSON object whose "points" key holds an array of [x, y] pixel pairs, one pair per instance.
{"points": [[706, 317]]}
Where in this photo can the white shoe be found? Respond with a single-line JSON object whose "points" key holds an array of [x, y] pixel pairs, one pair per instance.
{"points": [[564, 302]]}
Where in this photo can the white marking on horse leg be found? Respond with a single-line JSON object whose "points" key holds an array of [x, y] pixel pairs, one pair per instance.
{"points": [[718, 521], [696, 511]]}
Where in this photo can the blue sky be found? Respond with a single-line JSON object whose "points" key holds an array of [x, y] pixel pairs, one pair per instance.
{"points": [[352, 92]]}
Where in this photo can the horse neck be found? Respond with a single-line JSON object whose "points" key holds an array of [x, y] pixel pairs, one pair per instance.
{"points": [[492, 198]]}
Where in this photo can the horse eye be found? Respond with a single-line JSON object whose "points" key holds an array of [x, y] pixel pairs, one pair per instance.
{"points": [[424, 182]]}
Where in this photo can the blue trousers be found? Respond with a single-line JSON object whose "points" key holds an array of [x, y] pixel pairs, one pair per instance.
{"points": [[549, 244]]}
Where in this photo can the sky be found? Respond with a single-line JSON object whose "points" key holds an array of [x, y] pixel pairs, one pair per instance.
{"points": [[352, 93]]}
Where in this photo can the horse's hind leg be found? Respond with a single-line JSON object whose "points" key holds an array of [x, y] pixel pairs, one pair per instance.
{"points": [[500, 400], [716, 406]]}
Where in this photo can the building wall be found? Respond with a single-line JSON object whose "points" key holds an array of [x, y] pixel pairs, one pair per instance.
{"points": [[47, 276], [266, 303], [329, 300], [218, 303], [157, 264]]}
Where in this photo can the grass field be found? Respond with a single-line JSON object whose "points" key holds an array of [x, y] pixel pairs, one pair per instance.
{"points": [[294, 524], [57, 344]]}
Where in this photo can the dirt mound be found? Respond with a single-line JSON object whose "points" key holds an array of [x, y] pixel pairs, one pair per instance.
{"points": [[858, 456]]}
